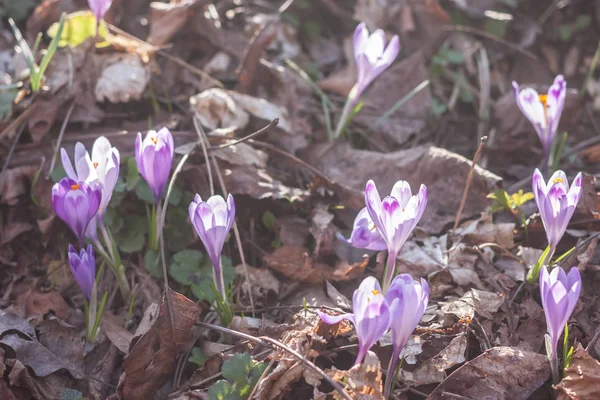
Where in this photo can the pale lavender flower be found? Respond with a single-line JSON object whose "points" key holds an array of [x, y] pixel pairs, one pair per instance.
{"points": [[99, 8], [212, 220], [83, 267], [370, 317], [559, 292], [372, 57], [76, 203], [556, 203], [543, 110], [365, 234], [154, 157], [395, 218], [407, 300]]}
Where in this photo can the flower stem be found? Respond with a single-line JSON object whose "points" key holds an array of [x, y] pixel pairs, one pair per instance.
{"points": [[153, 229], [346, 112], [218, 278], [392, 372], [554, 367], [389, 271], [114, 260]]}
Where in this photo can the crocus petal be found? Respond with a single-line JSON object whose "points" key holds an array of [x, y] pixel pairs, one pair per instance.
{"points": [[334, 319]]}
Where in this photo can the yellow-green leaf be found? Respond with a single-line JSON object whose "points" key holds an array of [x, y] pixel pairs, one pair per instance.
{"points": [[79, 27]]}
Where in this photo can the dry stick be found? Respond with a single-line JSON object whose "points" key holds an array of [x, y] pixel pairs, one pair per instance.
{"points": [[276, 345], [468, 183], [592, 342], [272, 124], [17, 121], [238, 239], [265, 372], [60, 138], [10, 152], [204, 142]]}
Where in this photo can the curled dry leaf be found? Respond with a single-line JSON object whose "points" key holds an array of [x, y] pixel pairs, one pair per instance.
{"points": [[362, 381], [123, 78], [153, 357], [166, 19], [264, 284], [499, 373], [259, 184], [434, 369], [118, 336], [295, 264], [582, 377], [474, 301], [216, 109]]}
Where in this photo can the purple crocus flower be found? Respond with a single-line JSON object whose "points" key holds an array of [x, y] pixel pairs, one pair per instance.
{"points": [[365, 234], [372, 57], [556, 203], [407, 299], [83, 267], [559, 292], [99, 8], [154, 157], [370, 317], [543, 110], [395, 218], [212, 220], [76, 203], [101, 168]]}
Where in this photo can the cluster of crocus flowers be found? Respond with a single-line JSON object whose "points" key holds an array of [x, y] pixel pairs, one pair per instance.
{"points": [[543, 110], [556, 202], [212, 220], [374, 312], [559, 293], [372, 57]]}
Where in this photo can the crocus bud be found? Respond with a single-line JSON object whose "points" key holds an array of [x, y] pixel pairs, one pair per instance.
{"points": [[371, 315], [99, 8], [212, 220], [395, 217], [543, 110], [83, 267], [407, 299], [371, 55], [556, 202], [154, 157], [76, 203], [364, 233], [559, 292]]}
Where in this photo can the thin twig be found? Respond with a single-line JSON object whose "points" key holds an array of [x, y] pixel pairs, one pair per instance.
{"points": [[276, 345], [238, 239], [60, 138], [468, 183], [17, 121], [10, 152], [271, 125], [592, 342], [204, 143]]}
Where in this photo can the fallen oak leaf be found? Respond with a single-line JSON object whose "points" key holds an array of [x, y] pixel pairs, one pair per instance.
{"points": [[363, 381], [152, 359], [582, 377]]}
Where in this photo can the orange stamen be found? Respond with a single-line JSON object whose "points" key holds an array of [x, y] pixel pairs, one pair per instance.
{"points": [[95, 164], [375, 292], [75, 187], [558, 180], [154, 140], [544, 99]]}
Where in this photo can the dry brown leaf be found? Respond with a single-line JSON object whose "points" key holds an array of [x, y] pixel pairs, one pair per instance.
{"points": [[295, 263], [12, 230], [38, 304], [474, 301], [362, 381], [14, 184], [166, 19], [118, 336], [215, 108], [440, 170], [124, 78], [501, 373], [153, 357], [582, 377]]}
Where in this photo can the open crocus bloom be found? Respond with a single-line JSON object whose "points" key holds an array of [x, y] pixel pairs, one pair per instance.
{"points": [[76, 203], [154, 157], [371, 55], [395, 217], [212, 220], [370, 317], [543, 110], [83, 267], [556, 202]]}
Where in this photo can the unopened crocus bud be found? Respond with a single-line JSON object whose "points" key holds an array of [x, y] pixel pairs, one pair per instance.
{"points": [[83, 267], [212, 220], [76, 203], [154, 157], [370, 317], [407, 299], [395, 218], [556, 202], [543, 110]]}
